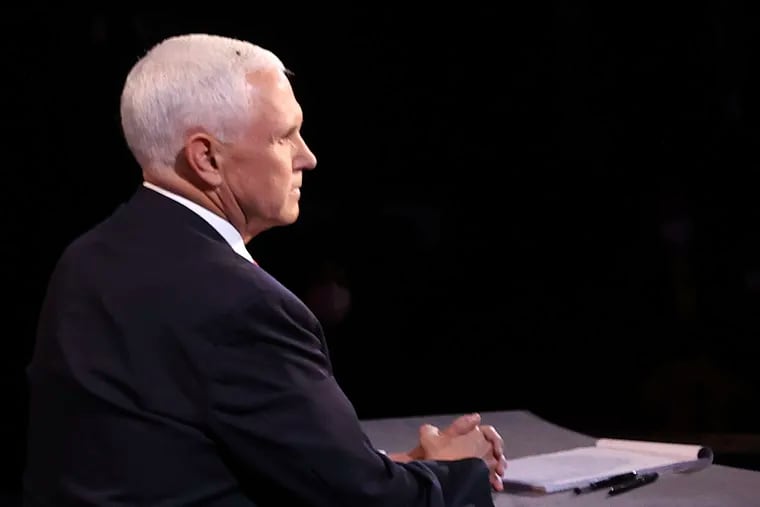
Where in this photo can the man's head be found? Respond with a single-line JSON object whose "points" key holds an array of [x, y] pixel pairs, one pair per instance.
{"points": [[215, 119]]}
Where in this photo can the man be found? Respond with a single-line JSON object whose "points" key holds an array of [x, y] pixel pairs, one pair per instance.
{"points": [[169, 368]]}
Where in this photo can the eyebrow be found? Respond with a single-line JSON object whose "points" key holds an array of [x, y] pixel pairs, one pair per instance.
{"points": [[279, 134], [292, 130]]}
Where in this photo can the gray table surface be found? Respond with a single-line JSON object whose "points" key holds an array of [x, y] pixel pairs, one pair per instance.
{"points": [[524, 434]]}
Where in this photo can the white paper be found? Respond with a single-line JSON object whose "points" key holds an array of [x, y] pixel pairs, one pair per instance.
{"points": [[576, 467]]}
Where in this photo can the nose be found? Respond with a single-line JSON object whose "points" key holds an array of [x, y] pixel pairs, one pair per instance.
{"points": [[307, 159]]}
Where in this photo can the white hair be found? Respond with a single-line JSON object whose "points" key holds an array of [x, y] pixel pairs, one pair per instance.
{"points": [[186, 81]]}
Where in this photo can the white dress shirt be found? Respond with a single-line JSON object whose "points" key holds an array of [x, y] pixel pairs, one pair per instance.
{"points": [[222, 226]]}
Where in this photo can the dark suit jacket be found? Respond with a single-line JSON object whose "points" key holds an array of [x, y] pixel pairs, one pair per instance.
{"points": [[170, 371]]}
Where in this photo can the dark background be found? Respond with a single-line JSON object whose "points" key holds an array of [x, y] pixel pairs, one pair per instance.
{"points": [[551, 209]]}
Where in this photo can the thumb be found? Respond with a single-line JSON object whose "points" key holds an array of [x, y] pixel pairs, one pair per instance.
{"points": [[427, 433], [463, 425]]}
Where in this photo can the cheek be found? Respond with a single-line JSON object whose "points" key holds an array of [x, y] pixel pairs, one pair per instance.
{"points": [[283, 185], [282, 174], [248, 182], [265, 180]]}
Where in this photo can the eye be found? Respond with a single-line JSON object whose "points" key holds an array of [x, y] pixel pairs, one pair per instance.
{"points": [[289, 136]]}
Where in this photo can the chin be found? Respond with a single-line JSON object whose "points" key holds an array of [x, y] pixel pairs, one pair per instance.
{"points": [[289, 218]]}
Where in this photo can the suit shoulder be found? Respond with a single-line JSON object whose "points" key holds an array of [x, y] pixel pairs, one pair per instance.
{"points": [[242, 283]]}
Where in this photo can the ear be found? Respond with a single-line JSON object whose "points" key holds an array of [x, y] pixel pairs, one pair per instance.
{"points": [[203, 158]]}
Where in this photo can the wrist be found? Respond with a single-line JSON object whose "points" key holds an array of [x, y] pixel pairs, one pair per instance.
{"points": [[418, 453], [400, 457]]}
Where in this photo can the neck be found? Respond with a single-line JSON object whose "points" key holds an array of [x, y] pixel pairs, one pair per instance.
{"points": [[216, 200]]}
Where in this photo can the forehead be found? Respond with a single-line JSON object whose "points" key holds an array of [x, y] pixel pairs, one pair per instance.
{"points": [[273, 97]]}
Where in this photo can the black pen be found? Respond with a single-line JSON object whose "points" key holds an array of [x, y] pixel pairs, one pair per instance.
{"points": [[609, 481], [639, 481]]}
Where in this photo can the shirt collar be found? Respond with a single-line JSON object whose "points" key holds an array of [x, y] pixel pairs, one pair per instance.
{"points": [[222, 226]]}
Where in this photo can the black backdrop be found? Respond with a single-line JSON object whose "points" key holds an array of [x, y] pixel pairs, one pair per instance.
{"points": [[549, 209]]}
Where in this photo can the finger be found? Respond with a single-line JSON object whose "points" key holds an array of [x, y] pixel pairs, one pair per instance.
{"points": [[501, 467], [497, 482], [463, 425], [428, 432], [495, 473], [490, 433]]}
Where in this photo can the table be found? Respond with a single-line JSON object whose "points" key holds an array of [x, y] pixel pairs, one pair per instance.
{"points": [[525, 433]]}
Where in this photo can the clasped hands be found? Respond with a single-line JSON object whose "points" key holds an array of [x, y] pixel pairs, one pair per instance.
{"points": [[464, 438]]}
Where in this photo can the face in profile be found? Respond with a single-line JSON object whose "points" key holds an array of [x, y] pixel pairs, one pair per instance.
{"points": [[263, 172]]}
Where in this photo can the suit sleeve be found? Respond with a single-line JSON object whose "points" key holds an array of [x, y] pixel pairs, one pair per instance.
{"points": [[284, 424]]}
